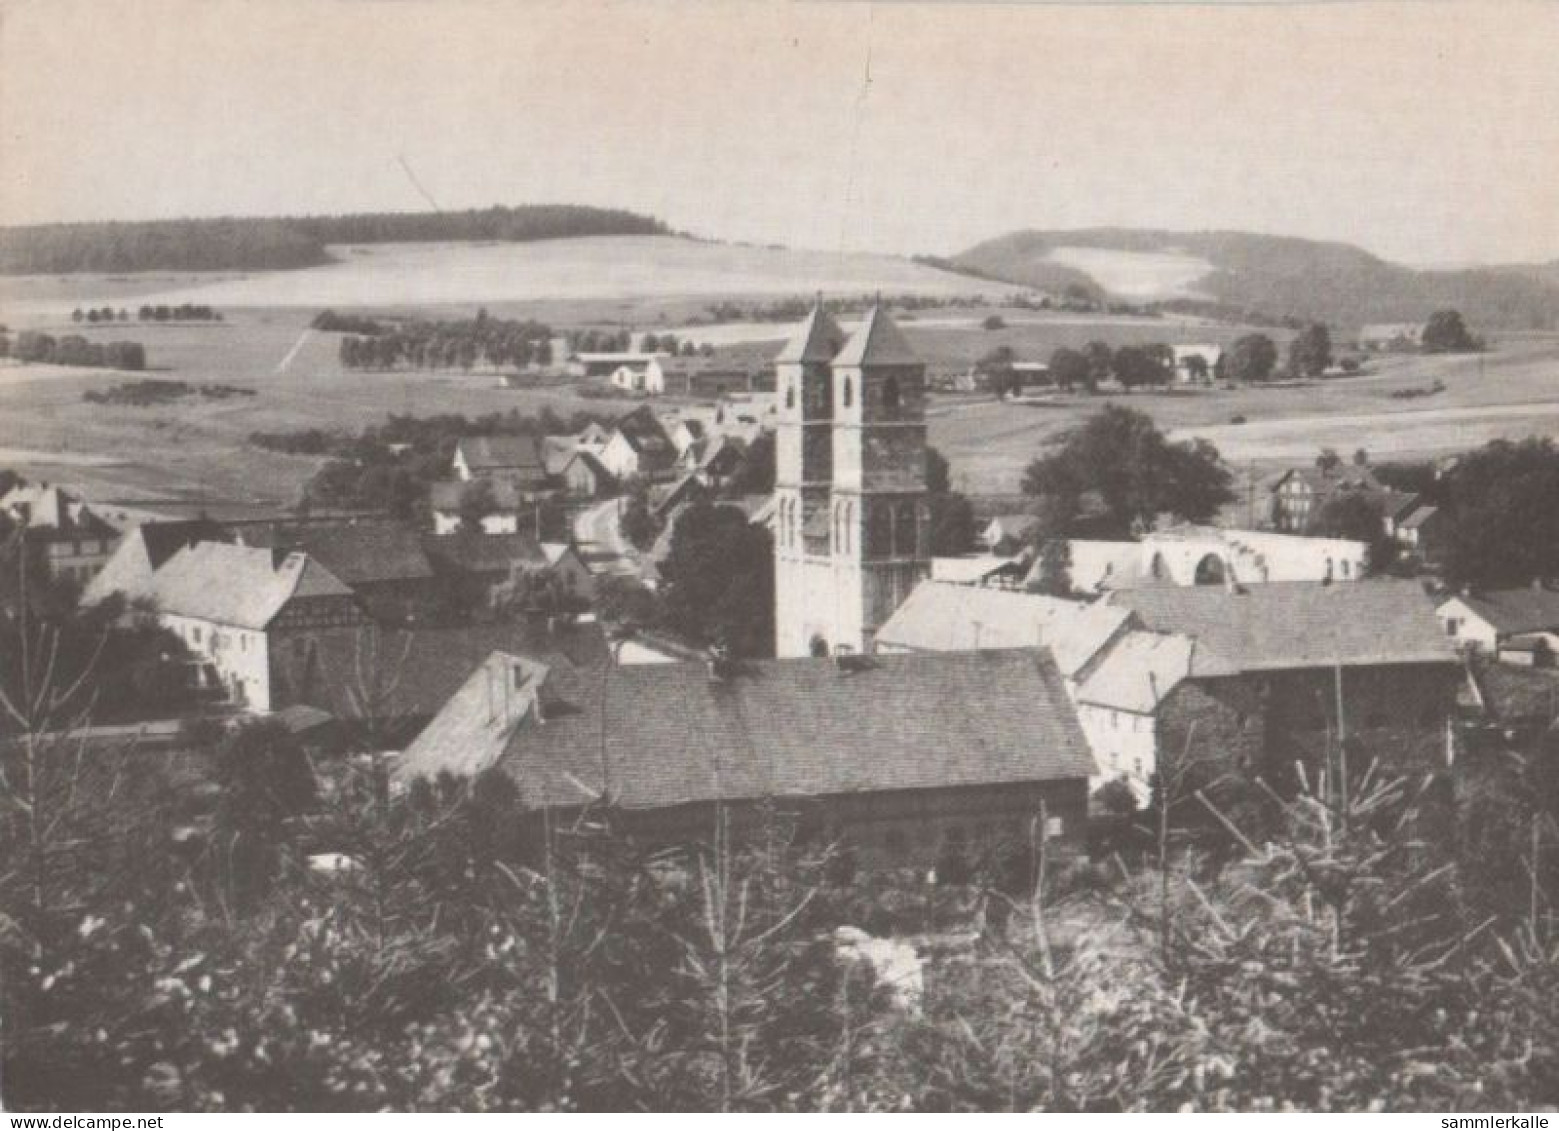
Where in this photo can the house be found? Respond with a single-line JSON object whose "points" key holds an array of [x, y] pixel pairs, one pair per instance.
{"points": [[1008, 533], [609, 364], [639, 447], [516, 460], [72, 542], [1196, 362], [584, 476], [906, 760], [502, 506], [141, 553], [1487, 620], [394, 680], [480, 564], [239, 608], [1383, 336], [1299, 493], [1423, 532], [1254, 684], [700, 378], [383, 563]]}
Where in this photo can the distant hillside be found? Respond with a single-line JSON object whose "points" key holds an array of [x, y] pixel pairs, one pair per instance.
{"points": [[272, 243], [1269, 275]]}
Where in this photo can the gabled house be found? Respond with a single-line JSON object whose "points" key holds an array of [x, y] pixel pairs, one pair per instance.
{"points": [[906, 760], [501, 505], [584, 476], [1488, 620], [240, 607], [1255, 683], [519, 461], [72, 542], [1298, 494], [639, 447]]}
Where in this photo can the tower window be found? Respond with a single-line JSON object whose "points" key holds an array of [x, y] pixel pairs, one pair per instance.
{"points": [[849, 397], [790, 395]]}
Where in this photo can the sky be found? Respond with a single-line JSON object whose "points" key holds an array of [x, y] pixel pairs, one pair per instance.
{"points": [[1425, 131]]}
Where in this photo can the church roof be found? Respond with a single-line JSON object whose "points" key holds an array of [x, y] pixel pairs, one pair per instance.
{"points": [[878, 341], [818, 338]]}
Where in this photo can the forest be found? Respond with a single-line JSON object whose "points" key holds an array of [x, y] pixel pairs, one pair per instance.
{"points": [[274, 243]]}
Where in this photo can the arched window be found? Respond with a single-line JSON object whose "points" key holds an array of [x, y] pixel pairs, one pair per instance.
{"points": [[849, 397], [890, 393], [1347, 567], [790, 395], [1157, 568]]}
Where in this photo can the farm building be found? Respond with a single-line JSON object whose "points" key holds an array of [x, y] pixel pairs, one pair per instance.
{"points": [[905, 760]]}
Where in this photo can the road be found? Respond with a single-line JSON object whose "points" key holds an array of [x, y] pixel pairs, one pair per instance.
{"points": [[598, 531]]}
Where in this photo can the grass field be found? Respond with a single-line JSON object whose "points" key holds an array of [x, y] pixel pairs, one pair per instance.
{"points": [[196, 451], [598, 268]]}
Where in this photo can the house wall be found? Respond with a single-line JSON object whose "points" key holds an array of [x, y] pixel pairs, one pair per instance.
{"points": [[79, 559], [239, 656], [619, 457], [1123, 742], [1466, 627], [896, 829]]}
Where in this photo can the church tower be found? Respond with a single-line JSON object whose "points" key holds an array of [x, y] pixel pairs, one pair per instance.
{"points": [[852, 521]]}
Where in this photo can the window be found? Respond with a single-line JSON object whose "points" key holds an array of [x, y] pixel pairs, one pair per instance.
{"points": [[1453, 625], [849, 397], [790, 395], [1054, 827]]}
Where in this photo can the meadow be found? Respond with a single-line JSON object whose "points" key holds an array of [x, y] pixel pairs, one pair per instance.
{"points": [[196, 453]]}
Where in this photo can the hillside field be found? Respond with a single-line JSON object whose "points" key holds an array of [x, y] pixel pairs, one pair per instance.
{"points": [[196, 450]]}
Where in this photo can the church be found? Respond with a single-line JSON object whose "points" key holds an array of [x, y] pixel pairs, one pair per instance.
{"points": [[852, 522]]}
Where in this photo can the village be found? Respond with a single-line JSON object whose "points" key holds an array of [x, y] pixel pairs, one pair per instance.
{"points": [[779, 558]]}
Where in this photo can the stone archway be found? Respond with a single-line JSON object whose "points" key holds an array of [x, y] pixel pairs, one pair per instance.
{"points": [[1211, 570]]}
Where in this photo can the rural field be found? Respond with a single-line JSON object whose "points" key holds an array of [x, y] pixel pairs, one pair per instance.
{"points": [[195, 451]]}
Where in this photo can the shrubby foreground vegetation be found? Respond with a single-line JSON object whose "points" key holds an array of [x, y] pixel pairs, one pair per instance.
{"points": [[233, 927]]}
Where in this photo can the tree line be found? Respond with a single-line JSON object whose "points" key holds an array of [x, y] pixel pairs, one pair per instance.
{"points": [[271, 243], [73, 349], [461, 344]]}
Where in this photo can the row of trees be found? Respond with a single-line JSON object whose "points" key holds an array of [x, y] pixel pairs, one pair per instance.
{"points": [[256, 243], [73, 349], [464, 344], [184, 312]]}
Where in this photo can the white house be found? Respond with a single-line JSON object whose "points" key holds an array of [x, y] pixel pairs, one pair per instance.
{"points": [[1487, 621], [1196, 362], [237, 606]]}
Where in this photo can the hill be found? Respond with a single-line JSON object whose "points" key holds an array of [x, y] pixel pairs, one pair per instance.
{"points": [[1266, 277], [277, 242], [422, 275]]}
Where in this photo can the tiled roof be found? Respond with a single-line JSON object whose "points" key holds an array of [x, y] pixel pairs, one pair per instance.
{"points": [[1418, 517], [392, 673], [357, 553], [1143, 667], [817, 339], [1516, 610], [473, 552], [878, 341], [1298, 624], [1516, 694], [660, 735], [446, 495], [144, 550], [644, 432], [942, 616], [242, 586], [501, 453]]}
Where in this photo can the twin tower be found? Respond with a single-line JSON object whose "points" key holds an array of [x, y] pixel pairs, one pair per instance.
{"points": [[852, 522]]}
